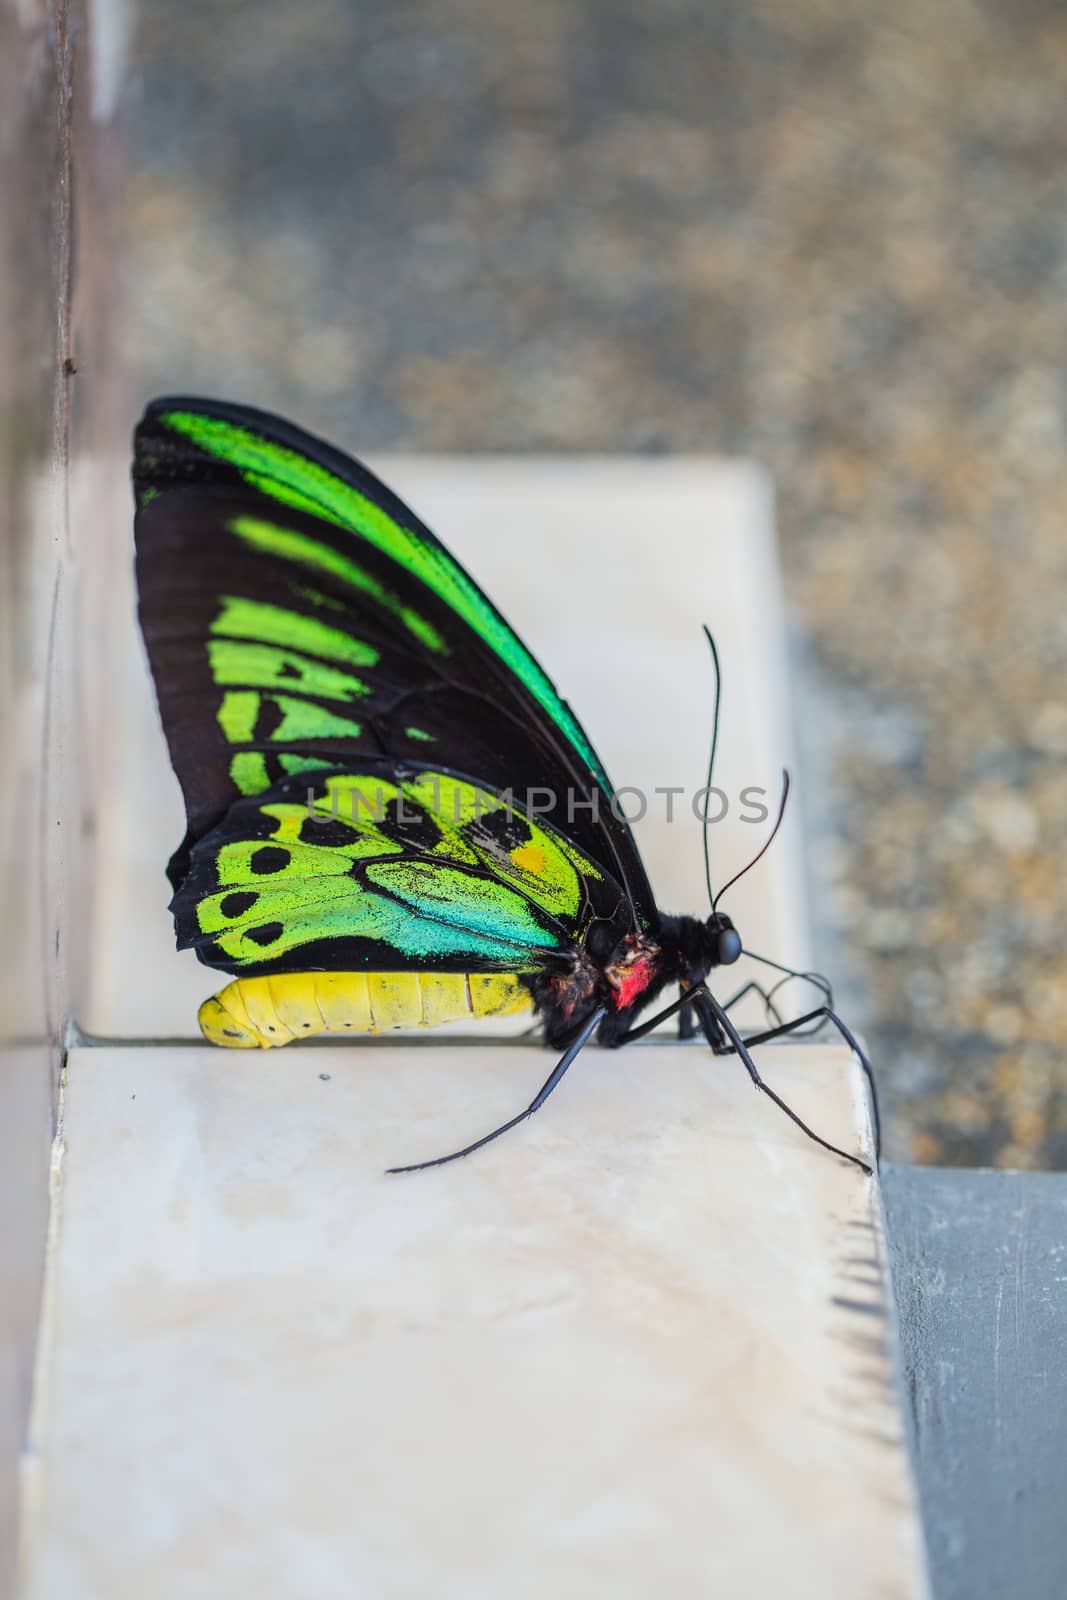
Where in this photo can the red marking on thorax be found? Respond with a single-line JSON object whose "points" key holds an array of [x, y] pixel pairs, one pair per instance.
{"points": [[631, 976]]}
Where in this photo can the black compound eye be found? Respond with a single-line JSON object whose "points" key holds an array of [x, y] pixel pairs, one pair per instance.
{"points": [[728, 947]]}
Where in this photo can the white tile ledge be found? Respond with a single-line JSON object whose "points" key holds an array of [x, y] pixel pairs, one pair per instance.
{"points": [[640, 1345]]}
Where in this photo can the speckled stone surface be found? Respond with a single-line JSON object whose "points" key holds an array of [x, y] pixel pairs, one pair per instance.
{"points": [[830, 238]]}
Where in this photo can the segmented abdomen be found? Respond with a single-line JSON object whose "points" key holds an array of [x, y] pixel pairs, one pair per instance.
{"points": [[253, 1013]]}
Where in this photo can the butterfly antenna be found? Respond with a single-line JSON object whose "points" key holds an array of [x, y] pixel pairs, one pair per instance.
{"points": [[711, 759], [764, 848]]}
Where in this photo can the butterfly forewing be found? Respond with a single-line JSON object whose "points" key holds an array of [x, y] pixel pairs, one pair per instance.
{"points": [[297, 615]]}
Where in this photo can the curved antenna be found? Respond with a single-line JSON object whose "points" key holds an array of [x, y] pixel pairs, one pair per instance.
{"points": [[711, 759], [764, 848]]}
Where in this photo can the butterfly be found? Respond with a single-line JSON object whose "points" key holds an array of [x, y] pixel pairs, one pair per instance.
{"points": [[358, 732]]}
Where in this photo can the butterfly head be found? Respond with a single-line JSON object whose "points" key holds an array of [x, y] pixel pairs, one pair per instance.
{"points": [[692, 948], [723, 942]]}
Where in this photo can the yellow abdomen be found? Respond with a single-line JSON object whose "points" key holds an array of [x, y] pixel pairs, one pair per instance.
{"points": [[253, 1013]]}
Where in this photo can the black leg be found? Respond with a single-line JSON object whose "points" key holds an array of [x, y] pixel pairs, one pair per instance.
{"points": [[767, 996], [710, 1013], [642, 1028], [718, 1029], [828, 1015], [816, 979], [573, 1049], [803, 977], [684, 1009]]}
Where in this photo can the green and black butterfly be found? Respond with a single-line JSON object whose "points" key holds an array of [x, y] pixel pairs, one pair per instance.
{"points": [[357, 731]]}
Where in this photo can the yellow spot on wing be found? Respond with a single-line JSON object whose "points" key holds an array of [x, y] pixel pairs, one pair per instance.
{"points": [[530, 857]]}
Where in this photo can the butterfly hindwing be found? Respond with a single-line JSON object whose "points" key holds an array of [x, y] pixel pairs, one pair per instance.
{"points": [[388, 868], [298, 615]]}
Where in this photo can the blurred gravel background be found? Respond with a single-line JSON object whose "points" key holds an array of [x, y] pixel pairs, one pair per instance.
{"points": [[825, 235]]}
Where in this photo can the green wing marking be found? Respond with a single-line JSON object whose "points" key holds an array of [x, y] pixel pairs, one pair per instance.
{"points": [[267, 624], [429, 867], [265, 666], [290, 478], [290, 545], [254, 646], [299, 719], [248, 769]]}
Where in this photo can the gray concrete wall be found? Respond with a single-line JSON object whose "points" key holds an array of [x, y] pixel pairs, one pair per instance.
{"points": [[980, 1271], [56, 177]]}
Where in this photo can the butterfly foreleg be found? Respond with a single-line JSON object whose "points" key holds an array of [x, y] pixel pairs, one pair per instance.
{"points": [[683, 1002], [684, 1007], [821, 1015], [715, 1021], [766, 996]]}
